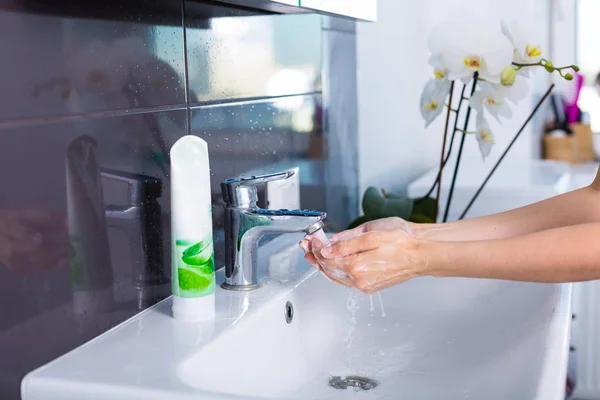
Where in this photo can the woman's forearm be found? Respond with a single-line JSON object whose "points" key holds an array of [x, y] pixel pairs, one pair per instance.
{"points": [[567, 254], [577, 207]]}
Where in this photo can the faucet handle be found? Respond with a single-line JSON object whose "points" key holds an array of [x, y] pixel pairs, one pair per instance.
{"points": [[242, 191]]}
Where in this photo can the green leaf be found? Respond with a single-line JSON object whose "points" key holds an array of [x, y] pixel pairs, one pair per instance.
{"points": [[190, 280], [425, 208], [399, 207], [420, 219], [376, 206], [198, 254], [357, 222], [205, 269], [394, 196], [193, 250], [372, 203]]}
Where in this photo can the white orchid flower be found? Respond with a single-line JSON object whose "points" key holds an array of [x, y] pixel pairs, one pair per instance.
{"points": [[485, 138], [440, 72], [525, 51], [433, 99], [515, 92], [492, 100], [471, 47]]}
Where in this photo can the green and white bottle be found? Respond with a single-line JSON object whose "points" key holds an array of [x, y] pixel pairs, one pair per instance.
{"points": [[193, 266]]}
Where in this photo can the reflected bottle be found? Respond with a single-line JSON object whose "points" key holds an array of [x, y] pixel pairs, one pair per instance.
{"points": [[91, 270]]}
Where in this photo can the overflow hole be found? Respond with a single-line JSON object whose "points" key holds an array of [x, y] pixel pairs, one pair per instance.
{"points": [[289, 312]]}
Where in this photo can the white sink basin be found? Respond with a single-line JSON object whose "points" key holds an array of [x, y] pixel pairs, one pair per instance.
{"points": [[439, 338]]}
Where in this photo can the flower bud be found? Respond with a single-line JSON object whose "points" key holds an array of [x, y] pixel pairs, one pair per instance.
{"points": [[508, 75], [549, 66], [576, 68], [569, 77]]}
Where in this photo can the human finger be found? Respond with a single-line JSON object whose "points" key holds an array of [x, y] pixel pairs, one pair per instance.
{"points": [[344, 248]]}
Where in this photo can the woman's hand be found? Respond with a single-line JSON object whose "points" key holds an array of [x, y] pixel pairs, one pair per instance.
{"points": [[32, 239], [333, 275], [374, 260], [385, 224]]}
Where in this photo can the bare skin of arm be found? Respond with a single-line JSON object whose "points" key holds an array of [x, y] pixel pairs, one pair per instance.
{"points": [[551, 241], [567, 254]]}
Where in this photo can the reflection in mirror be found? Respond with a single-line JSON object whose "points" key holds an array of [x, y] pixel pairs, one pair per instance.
{"points": [[32, 239], [140, 219], [91, 270]]}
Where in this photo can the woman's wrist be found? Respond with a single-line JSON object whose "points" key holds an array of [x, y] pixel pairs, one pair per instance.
{"points": [[427, 231], [417, 230], [438, 256]]}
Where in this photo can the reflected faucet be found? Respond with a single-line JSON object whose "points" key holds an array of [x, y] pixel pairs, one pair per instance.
{"points": [[141, 221], [246, 223], [90, 254]]}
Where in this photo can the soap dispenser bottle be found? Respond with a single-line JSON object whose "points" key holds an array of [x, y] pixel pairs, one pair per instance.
{"points": [[193, 267]]}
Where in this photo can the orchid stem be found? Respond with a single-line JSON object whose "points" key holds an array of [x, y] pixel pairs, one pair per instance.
{"points": [[539, 104], [542, 63], [439, 178], [462, 93], [539, 64], [460, 150]]}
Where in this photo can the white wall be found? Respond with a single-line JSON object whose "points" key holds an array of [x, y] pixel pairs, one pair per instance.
{"points": [[392, 54], [563, 27]]}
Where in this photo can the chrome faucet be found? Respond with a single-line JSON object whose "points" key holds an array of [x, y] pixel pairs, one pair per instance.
{"points": [[246, 223]]}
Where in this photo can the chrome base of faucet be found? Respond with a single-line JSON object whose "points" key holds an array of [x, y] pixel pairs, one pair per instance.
{"points": [[240, 288]]}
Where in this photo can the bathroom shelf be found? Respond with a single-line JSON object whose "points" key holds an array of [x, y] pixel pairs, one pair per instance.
{"points": [[355, 9], [168, 12]]}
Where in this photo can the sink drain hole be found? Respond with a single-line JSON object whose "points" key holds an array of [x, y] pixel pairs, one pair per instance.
{"points": [[353, 381], [289, 312]]}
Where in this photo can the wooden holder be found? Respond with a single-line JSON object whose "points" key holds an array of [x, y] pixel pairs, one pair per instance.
{"points": [[585, 145], [562, 148], [576, 148]]}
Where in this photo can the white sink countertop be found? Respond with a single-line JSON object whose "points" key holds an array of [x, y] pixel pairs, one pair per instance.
{"points": [[513, 185], [583, 175], [427, 339]]}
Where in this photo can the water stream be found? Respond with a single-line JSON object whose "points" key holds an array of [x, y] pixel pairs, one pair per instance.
{"points": [[380, 303], [352, 307]]}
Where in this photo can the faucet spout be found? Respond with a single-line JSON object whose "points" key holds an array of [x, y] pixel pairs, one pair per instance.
{"points": [[287, 221], [249, 226]]}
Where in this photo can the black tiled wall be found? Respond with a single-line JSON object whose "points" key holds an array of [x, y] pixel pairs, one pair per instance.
{"points": [[93, 95]]}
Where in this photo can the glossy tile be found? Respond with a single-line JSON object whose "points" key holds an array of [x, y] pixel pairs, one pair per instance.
{"points": [[239, 54], [93, 97], [77, 253], [340, 128], [64, 65], [263, 137]]}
